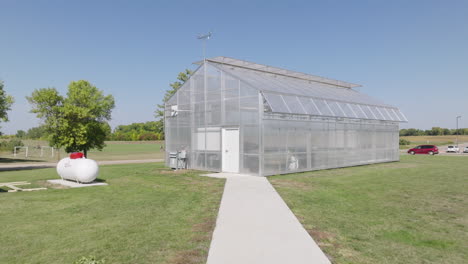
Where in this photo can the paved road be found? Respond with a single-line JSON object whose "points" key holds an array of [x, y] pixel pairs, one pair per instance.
{"points": [[40, 165], [255, 226]]}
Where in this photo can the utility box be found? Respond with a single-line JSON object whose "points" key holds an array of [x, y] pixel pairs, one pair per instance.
{"points": [[173, 160]]}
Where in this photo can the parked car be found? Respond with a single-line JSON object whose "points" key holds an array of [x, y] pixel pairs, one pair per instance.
{"points": [[424, 149], [453, 149], [465, 150]]}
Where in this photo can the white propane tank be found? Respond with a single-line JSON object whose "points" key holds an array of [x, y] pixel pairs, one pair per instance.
{"points": [[80, 170]]}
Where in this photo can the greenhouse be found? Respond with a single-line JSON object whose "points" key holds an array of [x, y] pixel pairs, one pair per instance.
{"points": [[243, 117]]}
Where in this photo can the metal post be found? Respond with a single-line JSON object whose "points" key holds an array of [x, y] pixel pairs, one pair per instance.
{"points": [[204, 38], [456, 131]]}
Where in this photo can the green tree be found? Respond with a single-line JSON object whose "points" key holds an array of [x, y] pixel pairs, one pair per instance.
{"points": [[159, 113], [137, 131], [78, 121], [5, 103], [37, 132], [20, 134]]}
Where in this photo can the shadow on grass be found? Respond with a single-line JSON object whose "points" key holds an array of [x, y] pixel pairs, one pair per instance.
{"points": [[8, 160], [99, 180], [32, 167]]}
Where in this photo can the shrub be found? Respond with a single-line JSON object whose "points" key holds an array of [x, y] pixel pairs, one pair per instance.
{"points": [[148, 136], [404, 142], [10, 144]]}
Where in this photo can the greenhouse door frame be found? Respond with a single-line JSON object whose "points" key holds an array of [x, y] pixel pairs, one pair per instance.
{"points": [[230, 150]]}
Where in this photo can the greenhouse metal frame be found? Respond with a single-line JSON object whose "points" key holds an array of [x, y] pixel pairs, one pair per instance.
{"points": [[243, 117]]}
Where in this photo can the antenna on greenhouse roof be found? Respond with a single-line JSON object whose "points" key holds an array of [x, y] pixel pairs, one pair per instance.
{"points": [[204, 38]]}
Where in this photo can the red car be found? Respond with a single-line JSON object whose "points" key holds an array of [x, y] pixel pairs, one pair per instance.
{"points": [[424, 149]]}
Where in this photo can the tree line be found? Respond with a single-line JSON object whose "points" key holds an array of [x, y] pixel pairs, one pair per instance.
{"points": [[151, 130], [435, 131]]}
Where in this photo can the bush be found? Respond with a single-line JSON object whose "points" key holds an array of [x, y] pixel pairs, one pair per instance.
{"points": [[10, 144], [404, 142], [148, 136]]}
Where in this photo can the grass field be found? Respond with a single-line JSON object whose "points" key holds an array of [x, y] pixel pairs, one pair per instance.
{"points": [[147, 214], [413, 211], [115, 150]]}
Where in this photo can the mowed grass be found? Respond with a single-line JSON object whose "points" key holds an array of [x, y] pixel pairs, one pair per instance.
{"points": [[413, 211], [114, 150], [147, 214]]}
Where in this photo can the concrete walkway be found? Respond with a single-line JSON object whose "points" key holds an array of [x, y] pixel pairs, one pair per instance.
{"points": [[255, 225], [40, 165]]}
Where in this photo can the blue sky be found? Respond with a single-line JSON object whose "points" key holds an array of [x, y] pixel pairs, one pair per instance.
{"points": [[411, 54]]}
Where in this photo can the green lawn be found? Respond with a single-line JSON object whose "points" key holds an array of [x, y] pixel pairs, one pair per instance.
{"points": [[413, 211], [147, 214], [127, 151], [115, 150]]}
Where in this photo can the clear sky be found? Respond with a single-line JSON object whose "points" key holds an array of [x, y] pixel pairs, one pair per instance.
{"points": [[410, 54]]}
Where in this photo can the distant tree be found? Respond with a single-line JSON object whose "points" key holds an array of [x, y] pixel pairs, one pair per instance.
{"points": [[435, 131], [20, 134], [78, 121], [5, 103], [446, 131], [159, 113], [37, 132], [414, 132], [135, 131]]}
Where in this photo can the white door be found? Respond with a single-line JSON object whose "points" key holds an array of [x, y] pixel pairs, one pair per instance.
{"points": [[230, 150]]}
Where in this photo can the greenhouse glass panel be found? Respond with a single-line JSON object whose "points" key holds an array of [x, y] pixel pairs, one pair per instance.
{"points": [[323, 107], [276, 103], [358, 111], [385, 114], [392, 114], [347, 110], [366, 109], [335, 108], [400, 116], [376, 113], [309, 106], [294, 105]]}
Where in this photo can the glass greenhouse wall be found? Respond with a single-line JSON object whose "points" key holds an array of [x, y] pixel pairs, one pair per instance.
{"points": [[248, 118]]}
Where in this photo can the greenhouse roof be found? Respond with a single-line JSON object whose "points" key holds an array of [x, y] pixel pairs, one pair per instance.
{"points": [[298, 93], [278, 71]]}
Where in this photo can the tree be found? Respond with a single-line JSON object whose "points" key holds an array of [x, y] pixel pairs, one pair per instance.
{"points": [[435, 131], [20, 134], [37, 132], [137, 131], [78, 121], [5, 103], [159, 113]]}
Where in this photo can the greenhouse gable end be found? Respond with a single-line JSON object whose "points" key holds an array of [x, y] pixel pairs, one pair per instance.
{"points": [[243, 117]]}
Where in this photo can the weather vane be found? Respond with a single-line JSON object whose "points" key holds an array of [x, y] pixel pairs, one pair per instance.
{"points": [[204, 38]]}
